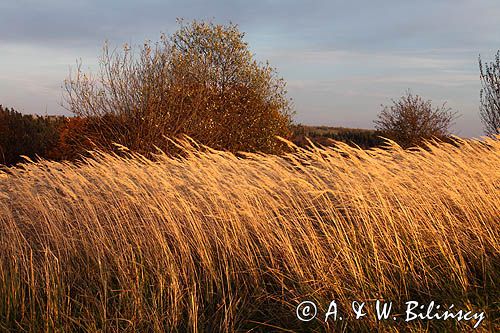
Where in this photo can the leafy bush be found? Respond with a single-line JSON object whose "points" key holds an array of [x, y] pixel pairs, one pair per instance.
{"points": [[202, 82], [73, 139]]}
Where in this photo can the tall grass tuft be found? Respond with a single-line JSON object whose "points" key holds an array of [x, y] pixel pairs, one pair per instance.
{"points": [[213, 242]]}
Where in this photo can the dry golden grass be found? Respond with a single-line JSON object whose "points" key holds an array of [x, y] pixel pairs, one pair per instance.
{"points": [[217, 243]]}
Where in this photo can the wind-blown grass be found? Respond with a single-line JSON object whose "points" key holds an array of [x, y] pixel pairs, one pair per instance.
{"points": [[212, 242]]}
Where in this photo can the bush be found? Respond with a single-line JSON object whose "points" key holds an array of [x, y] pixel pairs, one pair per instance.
{"points": [[490, 95], [73, 139], [411, 120], [202, 82]]}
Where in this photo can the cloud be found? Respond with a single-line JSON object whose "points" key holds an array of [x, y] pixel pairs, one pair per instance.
{"points": [[325, 24]]}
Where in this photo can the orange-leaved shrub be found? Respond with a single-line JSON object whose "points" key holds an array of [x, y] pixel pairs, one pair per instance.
{"points": [[73, 139], [202, 81]]}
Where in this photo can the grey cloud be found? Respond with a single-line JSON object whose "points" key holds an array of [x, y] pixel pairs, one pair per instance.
{"points": [[321, 24]]}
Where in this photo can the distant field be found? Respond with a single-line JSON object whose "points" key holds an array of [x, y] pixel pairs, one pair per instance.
{"points": [[326, 130], [220, 244], [323, 135]]}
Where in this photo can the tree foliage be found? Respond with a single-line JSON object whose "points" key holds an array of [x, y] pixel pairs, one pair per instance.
{"points": [[410, 120], [73, 139], [490, 95], [202, 82]]}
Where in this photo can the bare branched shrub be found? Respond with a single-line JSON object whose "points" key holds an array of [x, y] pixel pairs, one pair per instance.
{"points": [[410, 120], [202, 82], [490, 95]]}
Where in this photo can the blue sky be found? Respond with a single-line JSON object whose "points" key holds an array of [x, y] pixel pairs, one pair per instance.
{"points": [[341, 59]]}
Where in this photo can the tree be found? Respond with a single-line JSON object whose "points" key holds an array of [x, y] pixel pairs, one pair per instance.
{"points": [[202, 82], [490, 95], [410, 120]]}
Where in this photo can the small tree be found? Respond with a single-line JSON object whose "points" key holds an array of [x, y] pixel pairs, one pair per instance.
{"points": [[410, 120], [490, 95], [202, 82]]}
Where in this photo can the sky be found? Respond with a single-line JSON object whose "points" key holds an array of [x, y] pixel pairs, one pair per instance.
{"points": [[342, 60]]}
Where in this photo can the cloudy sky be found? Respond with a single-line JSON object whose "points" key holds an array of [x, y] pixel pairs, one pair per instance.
{"points": [[341, 59]]}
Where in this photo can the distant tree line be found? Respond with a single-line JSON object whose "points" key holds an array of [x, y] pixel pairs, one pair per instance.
{"points": [[26, 135], [68, 138], [323, 135]]}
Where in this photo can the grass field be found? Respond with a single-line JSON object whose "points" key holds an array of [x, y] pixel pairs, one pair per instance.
{"points": [[219, 243]]}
